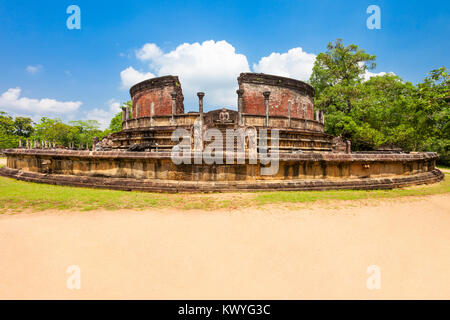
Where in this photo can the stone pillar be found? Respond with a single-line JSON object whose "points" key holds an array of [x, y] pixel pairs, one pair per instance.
{"points": [[174, 105], [266, 95], [200, 104], [348, 146], [27, 144], [152, 113], [289, 113], [240, 92], [322, 117], [20, 143], [317, 115], [124, 116]]}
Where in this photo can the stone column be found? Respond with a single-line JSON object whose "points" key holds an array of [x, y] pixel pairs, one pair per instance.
{"points": [[317, 115], [137, 110], [289, 113], [152, 113], [240, 92], [322, 117], [200, 104], [348, 146], [20, 143], [266, 95], [124, 116], [174, 105]]}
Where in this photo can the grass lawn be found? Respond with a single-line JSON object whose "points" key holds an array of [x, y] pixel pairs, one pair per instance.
{"points": [[18, 195]]}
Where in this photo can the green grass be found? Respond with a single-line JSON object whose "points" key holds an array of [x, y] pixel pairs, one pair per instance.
{"points": [[311, 196], [16, 196]]}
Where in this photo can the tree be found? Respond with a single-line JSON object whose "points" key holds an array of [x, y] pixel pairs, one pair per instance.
{"points": [[337, 72], [23, 127], [116, 123], [433, 114], [85, 131], [384, 110], [7, 137]]}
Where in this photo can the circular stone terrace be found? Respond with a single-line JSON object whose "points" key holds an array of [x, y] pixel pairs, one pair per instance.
{"points": [[273, 140]]}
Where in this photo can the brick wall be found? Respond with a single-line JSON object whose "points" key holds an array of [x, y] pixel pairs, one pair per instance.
{"points": [[156, 92], [283, 91]]}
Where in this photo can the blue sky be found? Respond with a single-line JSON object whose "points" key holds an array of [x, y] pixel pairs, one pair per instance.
{"points": [[49, 70]]}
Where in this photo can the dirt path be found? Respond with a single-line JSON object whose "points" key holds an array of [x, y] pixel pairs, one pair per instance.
{"points": [[253, 254]]}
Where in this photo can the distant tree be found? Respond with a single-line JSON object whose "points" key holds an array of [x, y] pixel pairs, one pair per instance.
{"points": [[85, 131], [432, 117], [7, 137], [53, 130], [116, 123], [23, 127]]}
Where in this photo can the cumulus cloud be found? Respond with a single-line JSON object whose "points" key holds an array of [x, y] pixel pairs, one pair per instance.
{"points": [[104, 116], [130, 77], [295, 63], [148, 52], [33, 69], [210, 66], [11, 102], [367, 75], [213, 67]]}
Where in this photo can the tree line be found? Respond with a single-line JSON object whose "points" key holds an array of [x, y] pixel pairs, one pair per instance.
{"points": [[380, 112], [383, 111]]}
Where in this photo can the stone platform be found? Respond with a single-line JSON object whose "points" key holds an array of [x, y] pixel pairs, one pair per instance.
{"points": [[155, 171]]}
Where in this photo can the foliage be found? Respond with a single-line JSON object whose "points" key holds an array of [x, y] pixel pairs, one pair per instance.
{"points": [[80, 132], [384, 110], [11, 130], [116, 123]]}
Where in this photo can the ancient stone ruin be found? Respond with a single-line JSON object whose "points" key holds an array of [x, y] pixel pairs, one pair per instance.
{"points": [[273, 140]]}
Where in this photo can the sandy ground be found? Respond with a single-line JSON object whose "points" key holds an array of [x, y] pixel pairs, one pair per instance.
{"points": [[269, 253]]}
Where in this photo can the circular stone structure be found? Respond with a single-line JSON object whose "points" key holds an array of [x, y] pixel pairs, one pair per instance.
{"points": [[275, 140]]}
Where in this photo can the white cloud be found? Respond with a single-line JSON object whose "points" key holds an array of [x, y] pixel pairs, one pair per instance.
{"points": [[295, 64], [33, 69], [104, 116], [367, 75], [130, 77], [148, 52], [11, 101], [211, 67]]}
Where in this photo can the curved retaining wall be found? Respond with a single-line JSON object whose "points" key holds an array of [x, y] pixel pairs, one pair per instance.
{"points": [[155, 171]]}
